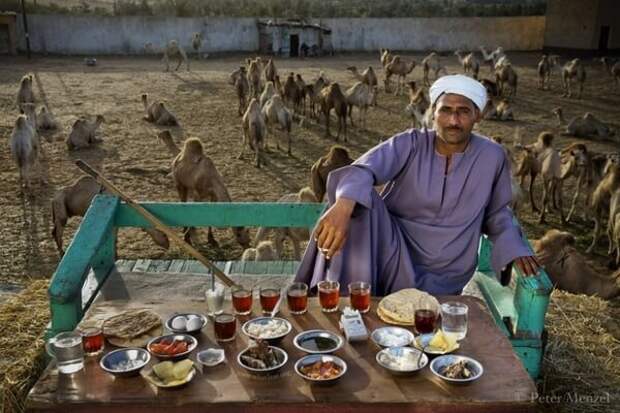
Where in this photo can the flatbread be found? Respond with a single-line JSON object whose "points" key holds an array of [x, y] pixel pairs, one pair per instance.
{"points": [[383, 316], [138, 341], [131, 324], [400, 307]]}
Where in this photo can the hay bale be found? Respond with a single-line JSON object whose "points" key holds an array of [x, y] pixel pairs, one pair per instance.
{"points": [[581, 366], [22, 325]]}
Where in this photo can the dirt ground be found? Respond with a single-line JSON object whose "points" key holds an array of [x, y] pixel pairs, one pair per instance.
{"points": [[205, 103], [131, 156]]}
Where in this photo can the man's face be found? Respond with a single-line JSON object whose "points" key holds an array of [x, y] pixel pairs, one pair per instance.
{"points": [[454, 118]]}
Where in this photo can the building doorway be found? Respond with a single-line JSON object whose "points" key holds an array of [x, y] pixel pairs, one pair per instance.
{"points": [[603, 39], [294, 49]]}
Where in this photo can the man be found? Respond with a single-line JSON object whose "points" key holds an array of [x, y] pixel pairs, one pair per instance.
{"points": [[444, 187]]}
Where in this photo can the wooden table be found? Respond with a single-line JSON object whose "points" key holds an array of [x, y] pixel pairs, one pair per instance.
{"points": [[367, 387]]}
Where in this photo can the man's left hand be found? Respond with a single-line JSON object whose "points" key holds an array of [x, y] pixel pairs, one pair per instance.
{"points": [[528, 265]]}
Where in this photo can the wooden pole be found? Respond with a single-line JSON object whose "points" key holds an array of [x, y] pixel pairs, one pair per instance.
{"points": [[155, 222], [27, 34]]}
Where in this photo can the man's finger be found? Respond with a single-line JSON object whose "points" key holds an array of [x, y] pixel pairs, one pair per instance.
{"points": [[318, 230], [329, 240], [323, 236], [336, 244]]}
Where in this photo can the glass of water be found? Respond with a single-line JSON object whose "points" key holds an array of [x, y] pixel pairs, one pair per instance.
{"points": [[454, 319], [67, 349], [215, 299]]}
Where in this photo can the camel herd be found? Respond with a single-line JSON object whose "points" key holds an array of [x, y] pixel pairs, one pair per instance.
{"points": [[271, 103]]}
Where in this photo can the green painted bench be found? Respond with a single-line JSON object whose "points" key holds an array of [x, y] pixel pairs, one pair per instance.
{"points": [[519, 312]]}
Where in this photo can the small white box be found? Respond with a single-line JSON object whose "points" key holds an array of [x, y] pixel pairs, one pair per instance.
{"points": [[353, 326]]}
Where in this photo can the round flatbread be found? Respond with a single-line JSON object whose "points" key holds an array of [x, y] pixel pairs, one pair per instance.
{"points": [[138, 341], [400, 307], [131, 324]]}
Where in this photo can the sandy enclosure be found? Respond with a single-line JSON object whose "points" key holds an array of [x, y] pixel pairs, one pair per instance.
{"points": [[206, 105]]}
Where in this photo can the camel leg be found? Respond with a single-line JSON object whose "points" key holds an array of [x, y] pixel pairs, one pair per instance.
{"points": [[531, 190], [580, 90], [574, 202], [597, 229], [288, 138], [257, 154], [351, 115], [327, 133], [558, 191], [178, 64], [543, 208], [167, 62]]}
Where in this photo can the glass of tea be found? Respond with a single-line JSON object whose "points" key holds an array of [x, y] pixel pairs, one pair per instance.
{"points": [[225, 326], [92, 340], [269, 296], [425, 320], [241, 299], [359, 296], [329, 295], [297, 298]]}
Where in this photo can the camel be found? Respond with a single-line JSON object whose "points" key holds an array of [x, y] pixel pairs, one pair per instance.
{"points": [[331, 97], [254, 77], [360, 95], [242, 89], [25, 93], [83, 132], [419, 103], [502, 111], [506, 76], [254, 131], [573, 71], [613, 227], [528, 166], [490, 86], [493, 58], [545, 68], [264, 251], [292, 94], [337, 157], [73, 201], [369, 77], [195, 175], [432, 63], [197, 42], [268, 92], [587, 168], [174, 51], [517, 191], [270, 71], [550, 166], [30, 110], [399, 68], [386, 57], [601, 197], [313, 93], [568, 269], [469, 63], [613, 70], [587, 126], [301, 87], [274, 112], [157, 113], [296, 235], [45, 120], [24, 145], [278, 86]]}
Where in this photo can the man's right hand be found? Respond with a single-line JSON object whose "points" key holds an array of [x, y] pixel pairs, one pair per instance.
{"points": [[331, 232]]}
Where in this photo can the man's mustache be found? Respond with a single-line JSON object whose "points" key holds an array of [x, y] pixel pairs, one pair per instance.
{"points": [[454, 128]]}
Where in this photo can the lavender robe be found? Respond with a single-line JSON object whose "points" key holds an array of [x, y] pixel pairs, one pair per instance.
{"points": [[423, 231]]}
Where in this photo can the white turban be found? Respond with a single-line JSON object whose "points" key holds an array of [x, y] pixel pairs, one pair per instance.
{"points": [[459, 85]]}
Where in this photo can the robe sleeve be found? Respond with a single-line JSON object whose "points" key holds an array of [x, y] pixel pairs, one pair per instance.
{"points": [[499, 226], [378, 166]]}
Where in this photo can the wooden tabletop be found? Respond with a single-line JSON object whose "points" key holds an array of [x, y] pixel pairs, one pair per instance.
{"points": [[505, 385]]}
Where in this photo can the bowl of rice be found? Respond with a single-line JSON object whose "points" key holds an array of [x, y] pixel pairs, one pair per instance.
{"points": [[271, 329]]}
